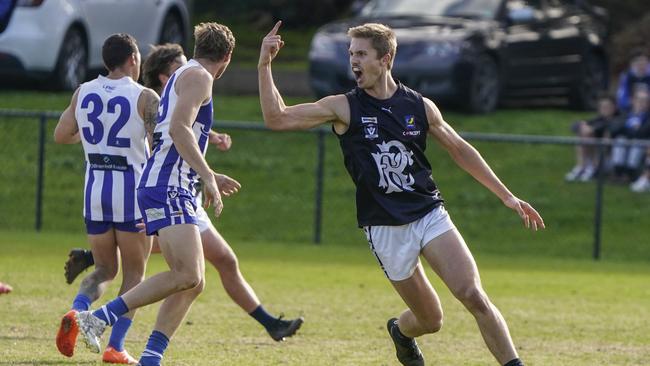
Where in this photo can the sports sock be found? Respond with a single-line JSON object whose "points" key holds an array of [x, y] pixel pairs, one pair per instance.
{"points": [[515, 362], [118, 333], [156, 346], [267, 320], [112, 311], [399, 336], [81, 302]]}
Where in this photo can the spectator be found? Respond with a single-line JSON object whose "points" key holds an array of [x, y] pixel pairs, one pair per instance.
{"points": [[643, 183], [627, 160], [636, 76], [598, 127]]}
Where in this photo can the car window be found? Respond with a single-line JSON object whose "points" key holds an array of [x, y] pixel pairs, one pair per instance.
{"points": [[483, 9]]}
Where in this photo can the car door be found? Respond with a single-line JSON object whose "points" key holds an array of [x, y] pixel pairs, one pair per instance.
{"points": [[102, 18], [106, 17], [566, 43], [526, 42]]}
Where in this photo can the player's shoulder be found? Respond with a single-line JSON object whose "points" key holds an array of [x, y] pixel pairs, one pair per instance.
{"points": [[195, 77]]}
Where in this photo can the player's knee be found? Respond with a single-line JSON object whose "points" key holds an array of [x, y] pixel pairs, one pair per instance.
{"points": [[226, 263], [188, 280], [432, 325], [474, 299]]}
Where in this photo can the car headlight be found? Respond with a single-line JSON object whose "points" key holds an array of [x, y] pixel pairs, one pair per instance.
{"points": [[323, 46]]}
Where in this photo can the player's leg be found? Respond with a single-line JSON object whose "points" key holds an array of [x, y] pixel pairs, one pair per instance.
{"points": [[397, 250], [450, 258], [218, 252], [185, 259], [181, 247], [134, 252], [101, 237]]}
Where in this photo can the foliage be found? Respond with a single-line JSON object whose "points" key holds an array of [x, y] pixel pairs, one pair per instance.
{"points": [[635, 35]]}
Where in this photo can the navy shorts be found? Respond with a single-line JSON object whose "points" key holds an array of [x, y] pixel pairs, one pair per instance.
{"points": [[166, 206], [100, 227]]}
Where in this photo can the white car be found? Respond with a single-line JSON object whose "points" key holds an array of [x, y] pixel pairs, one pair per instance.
{"points": [[61, 40]]}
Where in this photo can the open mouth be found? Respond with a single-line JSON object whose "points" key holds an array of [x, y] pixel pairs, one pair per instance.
{"points": [[357, 73]]}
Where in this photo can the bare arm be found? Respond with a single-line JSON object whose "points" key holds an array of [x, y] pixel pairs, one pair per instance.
{"points": [[67, 131], [196, 87], [277, 115], [468, 158], [148, 110]]}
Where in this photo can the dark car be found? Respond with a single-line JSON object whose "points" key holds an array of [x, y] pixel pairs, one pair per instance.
{"points": [[473, 53]]}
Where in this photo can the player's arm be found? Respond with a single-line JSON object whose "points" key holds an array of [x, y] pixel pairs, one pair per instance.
{"points": [[277, 115], [468, 158], [196, 89], [148, 110], [67, 131]]}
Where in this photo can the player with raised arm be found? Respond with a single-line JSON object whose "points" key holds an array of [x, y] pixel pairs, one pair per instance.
{"points": [[166, 194], [112, 117], [160, 64], [382, 127]]}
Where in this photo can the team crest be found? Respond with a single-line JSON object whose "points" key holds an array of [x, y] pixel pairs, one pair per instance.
{"points": [[172, 194], [409, 121], [370, 127]]}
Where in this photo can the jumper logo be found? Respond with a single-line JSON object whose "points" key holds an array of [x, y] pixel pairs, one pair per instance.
{"points": [[392, 159], [369, 127]]}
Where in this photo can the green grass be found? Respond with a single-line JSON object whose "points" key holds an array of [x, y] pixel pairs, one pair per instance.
{"points": [[277, 174], [561, 312]]}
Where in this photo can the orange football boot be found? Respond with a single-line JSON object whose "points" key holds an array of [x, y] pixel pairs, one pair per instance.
{"points": [[66, 338], [111, 355]]}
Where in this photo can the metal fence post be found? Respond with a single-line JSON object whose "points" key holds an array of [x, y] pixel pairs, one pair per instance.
{"points": [[320, 167], [41, 167], [598, 211]]}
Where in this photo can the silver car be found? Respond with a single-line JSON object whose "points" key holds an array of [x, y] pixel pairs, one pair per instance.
{"points": [[60, 41]]}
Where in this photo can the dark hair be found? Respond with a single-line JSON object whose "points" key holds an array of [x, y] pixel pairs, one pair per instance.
{"points": [[213, 41], [158, 62], [117, 49]]}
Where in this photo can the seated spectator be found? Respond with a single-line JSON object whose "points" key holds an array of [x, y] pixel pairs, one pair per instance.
{"points": [[636, 76], [598, 127], [627, 160], [643, 183]]}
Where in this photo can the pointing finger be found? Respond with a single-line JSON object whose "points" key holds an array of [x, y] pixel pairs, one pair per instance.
{"points": [[274, 31]]}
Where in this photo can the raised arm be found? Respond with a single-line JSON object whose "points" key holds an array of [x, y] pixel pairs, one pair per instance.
{"points": [[468, 158], [67, 131], [277, 115], [148, 110]]}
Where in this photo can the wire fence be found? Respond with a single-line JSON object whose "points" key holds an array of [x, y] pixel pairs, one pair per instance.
{"points": [[28, 166]]}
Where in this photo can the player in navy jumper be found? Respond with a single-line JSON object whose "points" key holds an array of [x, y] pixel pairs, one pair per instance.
{"points": [[382, 127]]}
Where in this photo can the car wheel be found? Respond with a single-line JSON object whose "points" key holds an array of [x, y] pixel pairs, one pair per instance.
{"points": [[485, 86], [172, 30], [593, 79], [72, 64]]}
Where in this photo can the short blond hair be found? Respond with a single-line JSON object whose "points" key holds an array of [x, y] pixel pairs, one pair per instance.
{"points": [[213, 41], [382, 38]]}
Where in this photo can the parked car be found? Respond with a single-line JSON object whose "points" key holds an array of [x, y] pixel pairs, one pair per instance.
{"points": [[61, 40], [475, 52]]}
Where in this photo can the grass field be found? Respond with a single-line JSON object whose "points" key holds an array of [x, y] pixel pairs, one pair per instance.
{"points": [[561, 312], [277, 174]]}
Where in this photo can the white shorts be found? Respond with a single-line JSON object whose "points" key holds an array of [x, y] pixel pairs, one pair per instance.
{"points": [[398, 248], [202, 218]]}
